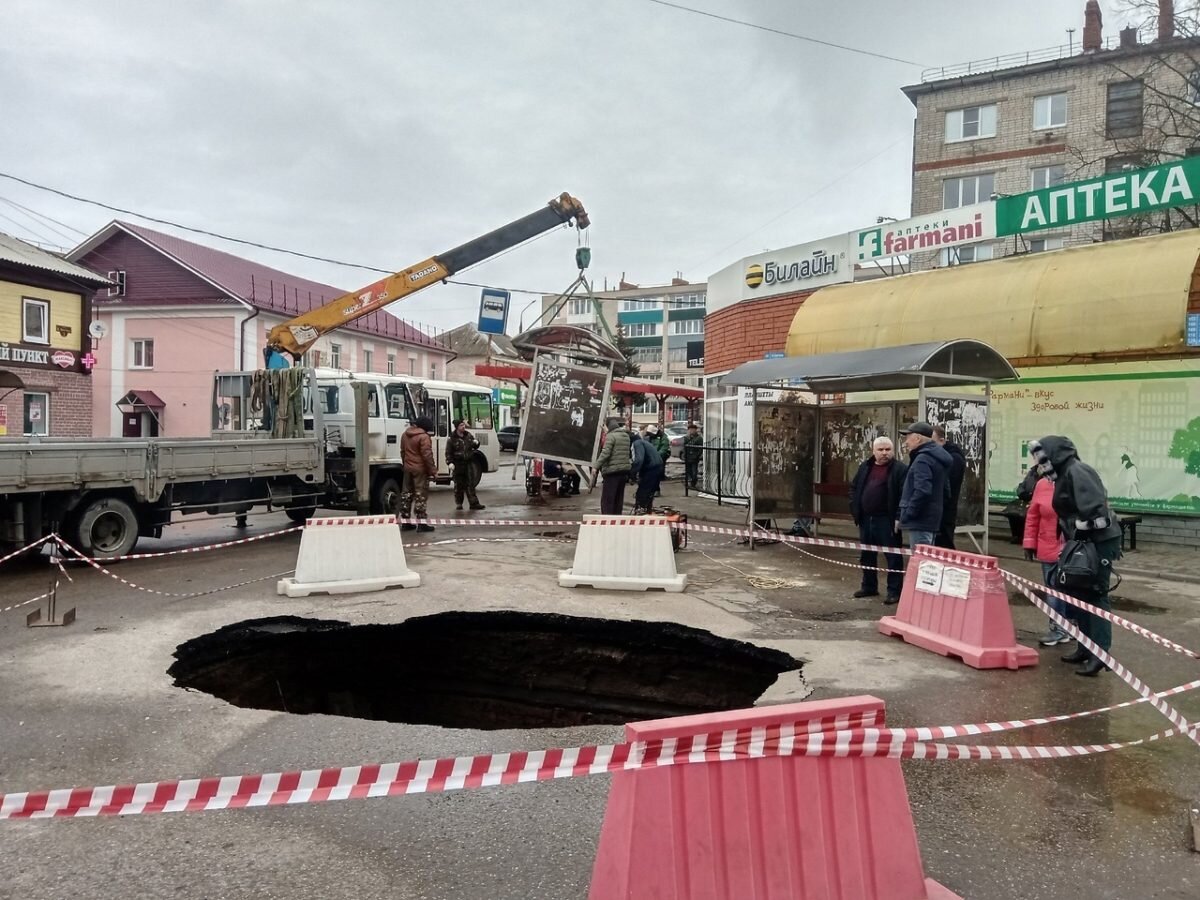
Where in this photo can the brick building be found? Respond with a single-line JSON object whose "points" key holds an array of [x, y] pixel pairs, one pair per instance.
{"points": [[1032, 120], [45, 382]]}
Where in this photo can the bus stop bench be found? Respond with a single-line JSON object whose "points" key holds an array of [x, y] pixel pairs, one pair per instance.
{"points": [[1016, 522]]}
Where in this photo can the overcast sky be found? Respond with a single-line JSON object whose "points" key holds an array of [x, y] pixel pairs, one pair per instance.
{"points": [[381, 132]]}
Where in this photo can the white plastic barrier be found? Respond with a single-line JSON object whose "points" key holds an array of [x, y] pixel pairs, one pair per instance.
{"points": [[349, 555], [624, 553]]}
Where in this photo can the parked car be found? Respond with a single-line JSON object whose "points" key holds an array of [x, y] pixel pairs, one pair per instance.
{"points": [[676, 431], [509, 436]]}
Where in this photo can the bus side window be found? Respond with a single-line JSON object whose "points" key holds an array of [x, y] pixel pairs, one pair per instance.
{"points": [[443, 418]]}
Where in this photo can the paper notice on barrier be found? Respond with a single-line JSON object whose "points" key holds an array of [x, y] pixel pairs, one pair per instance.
{"points": [[929, 577], [956, 582]]}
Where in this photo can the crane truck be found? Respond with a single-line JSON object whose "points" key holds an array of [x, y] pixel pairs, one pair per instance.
{"points": [[102, 494]]}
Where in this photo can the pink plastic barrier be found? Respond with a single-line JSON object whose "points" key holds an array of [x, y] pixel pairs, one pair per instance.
{"points": [[955, 604], [791, 828]]}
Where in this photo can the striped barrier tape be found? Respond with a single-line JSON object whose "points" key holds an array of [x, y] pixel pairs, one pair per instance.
{"points": [[1019, 582], [485, 770], [16, 553], [24, 603], [202, 548], [1117, 669]]}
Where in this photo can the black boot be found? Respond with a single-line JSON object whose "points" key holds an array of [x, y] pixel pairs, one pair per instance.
{"points": [[1091, 668], [1080, 655]]}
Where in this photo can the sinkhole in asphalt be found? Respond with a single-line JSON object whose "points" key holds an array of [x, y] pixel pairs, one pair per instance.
{"points": [[483, 670]]}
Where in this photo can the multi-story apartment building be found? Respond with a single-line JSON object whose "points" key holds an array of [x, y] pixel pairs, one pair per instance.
{"points": [[1017, 123], [658, 322]]}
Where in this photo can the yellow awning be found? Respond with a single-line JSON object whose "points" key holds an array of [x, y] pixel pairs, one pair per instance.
{"points": [[1109, 300]]}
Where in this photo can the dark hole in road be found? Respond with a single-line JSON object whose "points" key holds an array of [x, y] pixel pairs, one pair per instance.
{"points": [[483, 670]]}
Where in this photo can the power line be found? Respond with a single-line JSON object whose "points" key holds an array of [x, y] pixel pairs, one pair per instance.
{"points": [[223, 237], [790, 34]]}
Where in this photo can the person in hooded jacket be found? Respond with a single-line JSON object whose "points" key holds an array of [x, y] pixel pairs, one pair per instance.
{"points": [[614, 462], [1081, 504], [416, 455], [1043, 542], [958, 470], [648, 467], [926, 487]]}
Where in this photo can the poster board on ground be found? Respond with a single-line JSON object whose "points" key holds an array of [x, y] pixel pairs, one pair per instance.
{"points": [[785, 458], [965, 420], [567, 405]]}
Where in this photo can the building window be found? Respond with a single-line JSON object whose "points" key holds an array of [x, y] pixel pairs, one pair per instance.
{"points": [[643, 304], [640, 329], [687, 301], [368, 359], [391, 363], [1194, 87], [37, 413], [335, 355], [433, 371], [647, 355], [1038, 245], [964, 191], [579, 306], [35, 321], [649, 408], [677, 355], [688, 326], [1047, 176], [143, 354], [1050, 111], [1123, 162], [1124, 113], [971, 123], [960, 256], [412, 364]]}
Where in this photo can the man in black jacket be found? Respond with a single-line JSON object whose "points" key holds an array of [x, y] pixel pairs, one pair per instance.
{"points": [[954, 480], [1081, 504], [875, 505]]}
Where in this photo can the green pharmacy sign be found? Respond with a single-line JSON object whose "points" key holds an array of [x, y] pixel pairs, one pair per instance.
{"points": [[1111, 197]]}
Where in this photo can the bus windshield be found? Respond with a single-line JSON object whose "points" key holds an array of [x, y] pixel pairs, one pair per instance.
{"points": [[475, 408]]}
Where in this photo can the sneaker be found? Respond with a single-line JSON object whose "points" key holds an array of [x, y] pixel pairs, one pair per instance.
{"points": [[858, 595], [476, 506], [424, 527], [1051, 638]]}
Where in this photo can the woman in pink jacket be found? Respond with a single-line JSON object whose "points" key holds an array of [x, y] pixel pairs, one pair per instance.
{"points": [[1043, 542]]}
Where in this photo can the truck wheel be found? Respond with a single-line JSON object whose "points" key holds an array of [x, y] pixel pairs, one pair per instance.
{"points": [[387, 497], [107, 527], [300, 514]]}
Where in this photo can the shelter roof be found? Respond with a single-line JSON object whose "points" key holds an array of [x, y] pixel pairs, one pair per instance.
{"points": [[939, 363]]}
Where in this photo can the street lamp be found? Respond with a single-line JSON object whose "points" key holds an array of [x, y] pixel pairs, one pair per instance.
{"points": [[521, 317]]}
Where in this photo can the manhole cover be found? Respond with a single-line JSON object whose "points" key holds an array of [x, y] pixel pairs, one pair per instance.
{"points": [[478, 670]]}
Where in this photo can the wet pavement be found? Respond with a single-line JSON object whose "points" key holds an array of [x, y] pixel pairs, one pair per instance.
{"points": [[92, 704]]}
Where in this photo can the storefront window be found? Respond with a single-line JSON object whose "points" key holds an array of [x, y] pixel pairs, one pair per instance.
{"points": [[37, 413]]}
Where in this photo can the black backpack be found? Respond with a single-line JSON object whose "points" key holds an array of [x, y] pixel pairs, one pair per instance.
{"points": [[1078, 567]]}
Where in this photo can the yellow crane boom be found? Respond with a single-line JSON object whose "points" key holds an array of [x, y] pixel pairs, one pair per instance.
{"points": [[296, 335]]}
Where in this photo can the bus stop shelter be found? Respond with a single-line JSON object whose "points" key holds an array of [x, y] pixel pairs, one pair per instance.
{"points": [[789, 440]]}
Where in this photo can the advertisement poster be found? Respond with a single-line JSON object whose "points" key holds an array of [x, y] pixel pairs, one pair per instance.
{"points": [[965, 421], [567, 405], [785, 459], [1141, 433]]}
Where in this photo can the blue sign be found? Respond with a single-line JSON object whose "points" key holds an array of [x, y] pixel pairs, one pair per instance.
{"points": [[774, 354], [493, 311], [1193, 329]]}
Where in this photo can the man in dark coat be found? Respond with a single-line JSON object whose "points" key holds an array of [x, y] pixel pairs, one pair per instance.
{"points": [[460, 450], [875, 505], [614, 462], [924, 493], [1081, 504], [958, 469]]}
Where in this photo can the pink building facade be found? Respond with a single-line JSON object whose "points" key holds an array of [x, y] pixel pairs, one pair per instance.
{"points": [[180, 311]]}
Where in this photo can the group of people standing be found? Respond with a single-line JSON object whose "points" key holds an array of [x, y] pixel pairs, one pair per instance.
{"points": [[1069, 503], [632, 457], [888, 497]]}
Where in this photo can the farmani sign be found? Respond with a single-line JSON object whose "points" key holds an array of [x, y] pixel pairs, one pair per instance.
{"points": [[1111, 197]]}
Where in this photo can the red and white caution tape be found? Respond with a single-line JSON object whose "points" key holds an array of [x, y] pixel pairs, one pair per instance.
{"points": [[202, 548], [1019, 582], [812, 739], [15, 553], [24, 603]]}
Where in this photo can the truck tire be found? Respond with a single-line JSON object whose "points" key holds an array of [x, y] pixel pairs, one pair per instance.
{"points": [[387, 496], [300, 514], [107, 527]]}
